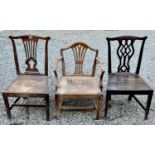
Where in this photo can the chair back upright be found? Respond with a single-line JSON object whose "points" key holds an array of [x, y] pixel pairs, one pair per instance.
{"points": [[125, 51], [30, 43], [79, 50]]}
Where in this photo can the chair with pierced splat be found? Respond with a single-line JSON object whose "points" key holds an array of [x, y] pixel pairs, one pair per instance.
{"points": [[31, 83], [79, 85], [123, 82]]}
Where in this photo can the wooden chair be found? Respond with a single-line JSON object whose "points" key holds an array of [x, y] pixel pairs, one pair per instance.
{"points": [[79, 85], [123, 82], [31, 83]]}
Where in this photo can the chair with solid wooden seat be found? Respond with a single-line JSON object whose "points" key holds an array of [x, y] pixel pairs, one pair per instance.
{"points": [[79, 85], [30, 83], [123, 82]]}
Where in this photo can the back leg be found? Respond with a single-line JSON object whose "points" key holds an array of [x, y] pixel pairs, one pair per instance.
{"points": [[108, 97], [130, 98]]}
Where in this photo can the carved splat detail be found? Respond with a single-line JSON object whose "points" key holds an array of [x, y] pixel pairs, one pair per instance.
{"points": [[79, 51], [125, 52], [30, 46]]}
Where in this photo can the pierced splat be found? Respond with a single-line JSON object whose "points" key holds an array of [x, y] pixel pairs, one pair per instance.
{"points": [[30, 46], [125, 52], [79, 51]]}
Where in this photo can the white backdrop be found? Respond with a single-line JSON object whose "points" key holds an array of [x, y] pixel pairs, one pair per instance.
{"points": [[77, 15]]}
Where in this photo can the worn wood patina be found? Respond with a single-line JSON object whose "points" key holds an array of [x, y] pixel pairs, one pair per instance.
{"points": [[123, 82], [31, 83], [79, 85]]}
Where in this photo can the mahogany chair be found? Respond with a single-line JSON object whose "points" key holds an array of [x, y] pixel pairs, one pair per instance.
{"points": [[79, 85], [29, 83], [123, 82]]}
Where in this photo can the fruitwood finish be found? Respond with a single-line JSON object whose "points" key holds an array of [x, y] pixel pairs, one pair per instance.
{"points": [[31, 83], [123, 82], [79, 85]]}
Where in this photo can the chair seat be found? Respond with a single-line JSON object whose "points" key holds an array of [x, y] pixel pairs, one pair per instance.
{"points": [[127, 82], [28, 84], [78, 85]]}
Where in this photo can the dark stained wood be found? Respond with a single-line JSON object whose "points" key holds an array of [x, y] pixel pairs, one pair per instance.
{"points": [[125, 51], [149, 99], [30, 46], [126, 82], [79, 85], [123, 82], [31, 83]]}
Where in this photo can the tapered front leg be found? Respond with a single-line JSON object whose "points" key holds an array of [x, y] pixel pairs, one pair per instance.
{"points": [[6, 102], [130, 98], [149, 99], [58, 103], [47, 108], [99, 107]]}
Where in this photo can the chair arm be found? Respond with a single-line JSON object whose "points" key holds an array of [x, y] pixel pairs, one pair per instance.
{"points": [[56, 63], [100, 64]]}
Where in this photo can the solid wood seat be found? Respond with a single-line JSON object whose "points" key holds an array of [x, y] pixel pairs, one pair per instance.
{"points": [[126, 82], [78, 85], [27, 85]]}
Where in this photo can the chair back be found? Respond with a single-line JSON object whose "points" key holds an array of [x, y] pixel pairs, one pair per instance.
{"points": [[30, 47], [79, 51], [125, 50]]}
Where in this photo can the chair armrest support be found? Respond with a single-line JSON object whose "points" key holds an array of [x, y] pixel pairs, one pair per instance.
{"points": [[56, 63], [100, 64]]}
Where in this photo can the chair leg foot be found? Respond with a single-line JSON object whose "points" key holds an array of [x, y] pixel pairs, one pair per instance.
{"points": [[6, 102], [149, 99], [47, 108], [25, 98], [99, 107], [109, 104], [129, 97]]}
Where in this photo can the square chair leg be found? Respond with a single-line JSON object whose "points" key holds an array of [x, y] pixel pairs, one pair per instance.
{"points": [[6, 102], [149, 99], [58, 104], [47, 108], [99, 107], [108, 97], [130, 98]]}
